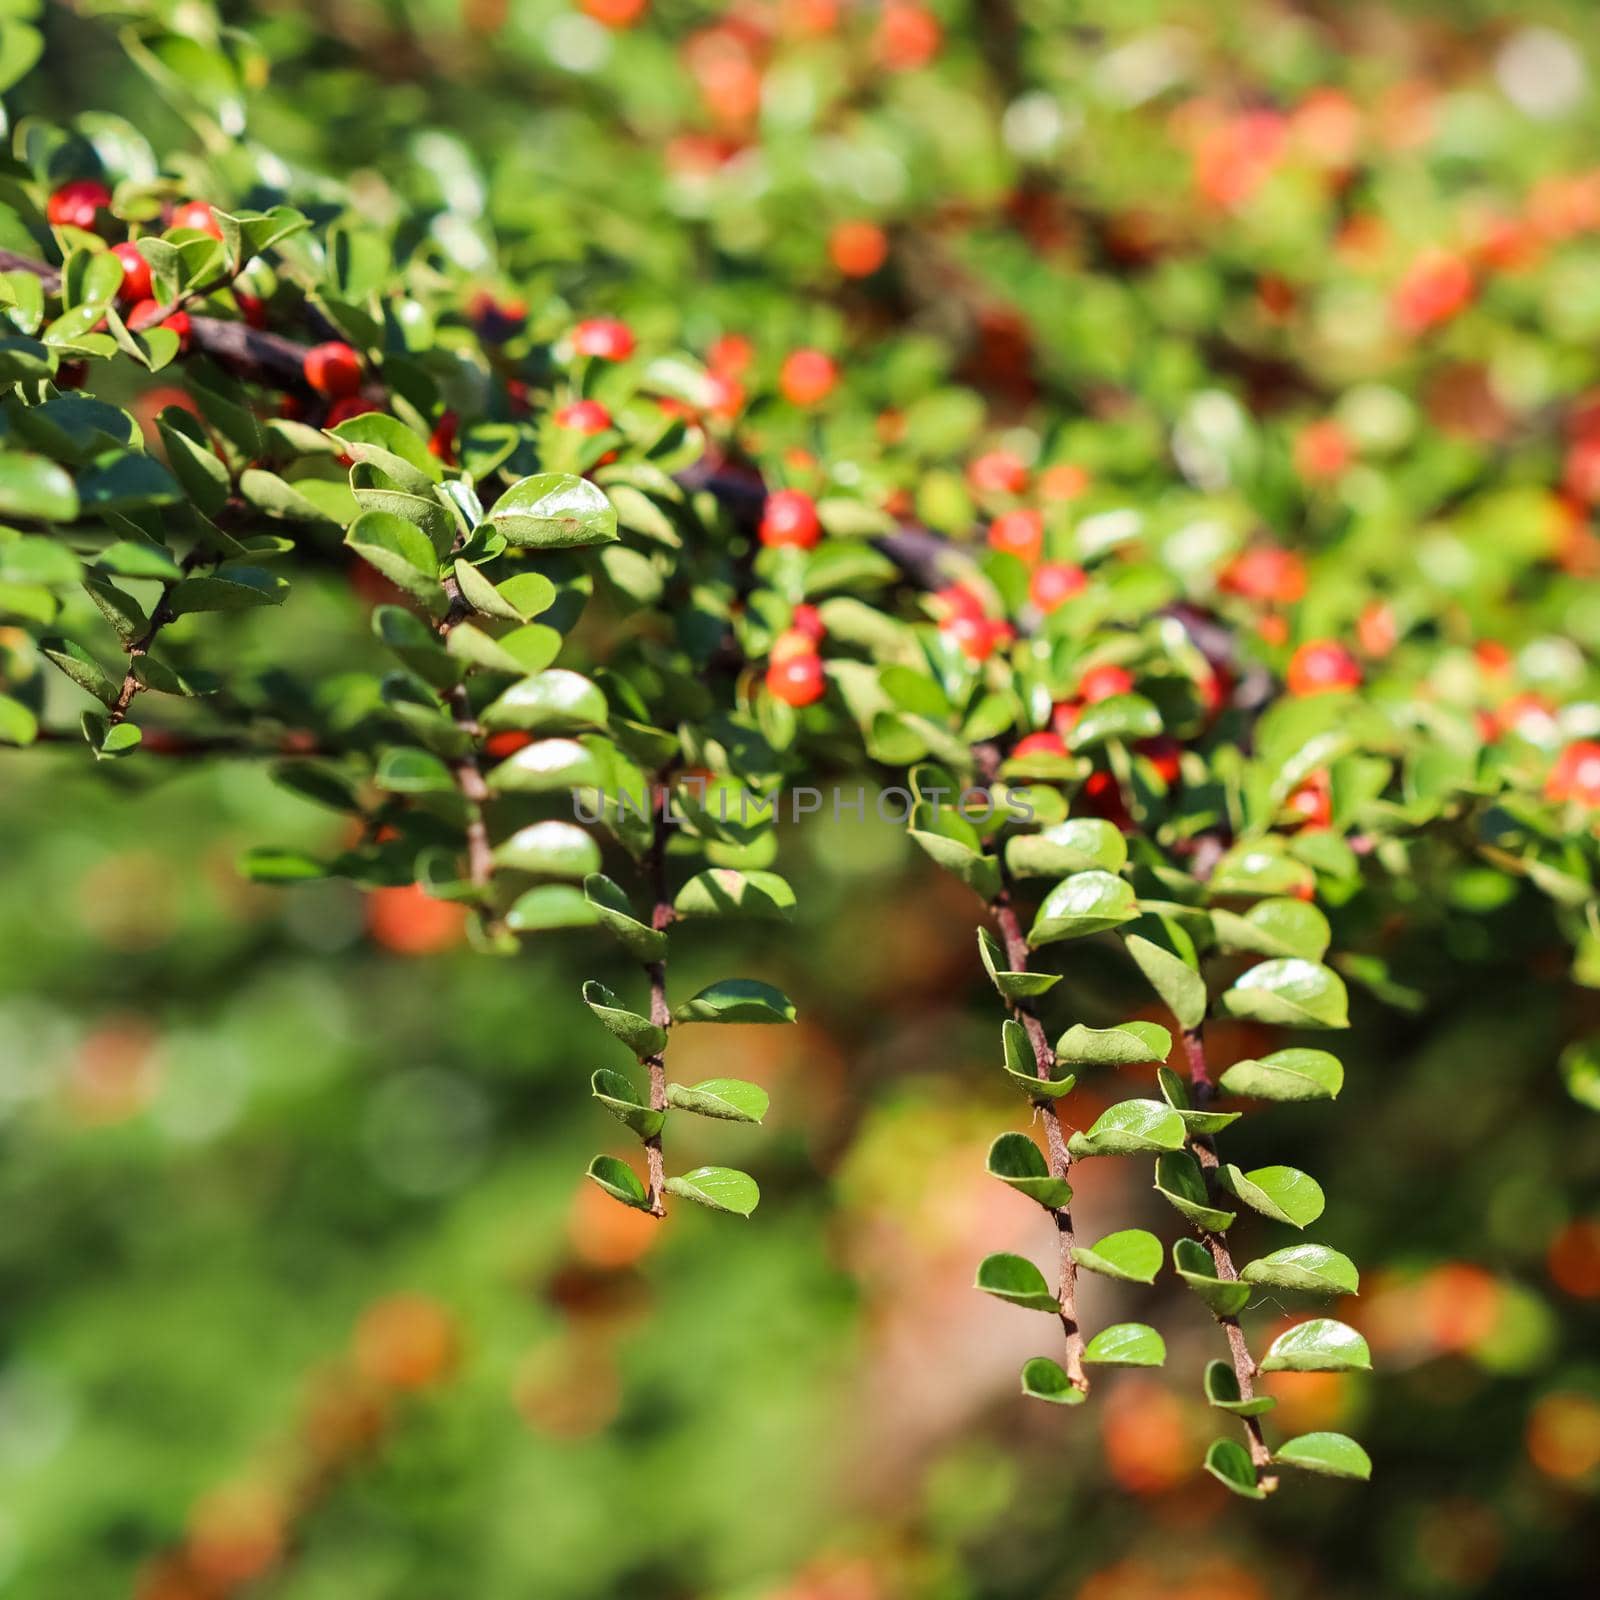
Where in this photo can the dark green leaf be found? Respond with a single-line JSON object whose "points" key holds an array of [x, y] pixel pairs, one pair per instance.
{"points": [[737, 1000], [1018, 1162]]}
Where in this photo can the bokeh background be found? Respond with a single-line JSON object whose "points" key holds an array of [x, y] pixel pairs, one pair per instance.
{"points": [[297, 1265]]}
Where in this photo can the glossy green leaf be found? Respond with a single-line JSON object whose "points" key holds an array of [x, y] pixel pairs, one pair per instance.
{"points": [[1011, 985], [1286, 1075], [1017, 1281], [1282, 1193], [554, 511], [551, 849], [1124, 717], [1229, 1463], [1181, 1183], [405, 771], [619, 1181], [1321, 1345], [1310, 1268], [547, 765], [1019, 1163], [1333, 1455], [1126, 1344], [1131, 1127], [553, 699], [228, 588], [1044, 1379], [718, 1189], [738, 1000], [1087, 902], [1131, 1255], [1291, 993], [618, 1095], [1222, 1391], [1126, 1044], [731, 1099], [550, 906], [35, 487], [1080, 844], [1176, 1094], [1194, 1264], [1180, 987], [640, 1035], [618, 917], [722, 892], [1275, 928]]}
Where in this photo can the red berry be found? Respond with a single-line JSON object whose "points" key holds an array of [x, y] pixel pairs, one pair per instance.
{"points": [[1313, 802], [1576, 775], [731, 355], [614, 13], [603, 337], [1102, 797], [347, 406], [976, 636], [1530, 717], [1435, 288], [1020, 533], [957, 601], [858, 249], [501, 745], [1320, 666], [1063, 482], [797, 679], [1064, 716], [1054, 583], [76, 204], [135, 273], [790, 517], [584, 416], [807, 619], [1266, 572], [1376, 629], [197, 214], [792, 642], [1040, 744], [1164, 755], [149, 314], [442, 441], [1322, 450], [807, 377], [724, 396], [333, 369], [997, 472], [907, 37], [1100, 683]]}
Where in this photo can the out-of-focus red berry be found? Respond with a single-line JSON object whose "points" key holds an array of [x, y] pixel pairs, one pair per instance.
{"points": [[1054, 583], [501, 745], [907, 37], [807, 619], [1377, 632], [858, 249], [1063, 482], [197, 214], [1320, 666], [347, 406], [584, 416], [148, 314], [976, 636], [956, 600], [1018, 533], [798, 679], [333, 369], [1312, 802], [135, 273], [732, 354], [807, 377], [605, 338], [614, 14], [1322, 450], [1043, 743], [77, 204], [1164, 755], [790, 517], [1266, 572], [1064, 716], [442, 441], [1101, 683], [1576, 775], [1437, 286], [997, 472], [1530, 717], [1101, 796], [724, 396]]}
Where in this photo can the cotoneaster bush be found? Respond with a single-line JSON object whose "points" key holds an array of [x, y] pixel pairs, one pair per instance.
{"points": [[1202, 572]]}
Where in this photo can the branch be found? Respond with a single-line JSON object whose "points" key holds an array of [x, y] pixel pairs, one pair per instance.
{"points": [[660, 1013], [1244, 1368], [1017, 956], [468, 769]]}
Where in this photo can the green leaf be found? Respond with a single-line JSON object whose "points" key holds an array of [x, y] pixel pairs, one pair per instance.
{"points": [[618, 1095], [1193, 1263], [1126, 1344], [1044, 1379], [1174, 1092], [1017, 1281], [389, 445], [482, 595], [1181, 1183], [731, 1099], [722, 892], [1321, 1345], [1126, 1044], [1080, 844], [402, 552], [229, 588], [980, 872], [718, 1189], [555, 698], [1022, 1068], [1290, 993], [547, 765], [1229, 1463], [527, 593], [1087, 902], [1282, 1193], [1011, 985], [1334, 1455], [82, 668], [201, 471], [550, 849], [129, 558], [1180, 987], [641, 1035], [1131, 1255], [1222, 1391], [619, 1181], [551, 906], [617, 915], [18, 725], [32, 486], [119, 608], [1275, 928], [1131, 1127], [1310, 1268], [1287, 1075], [554, 511], [1018, 1162], [407, 771], [1124, 717], [738, 1000]]}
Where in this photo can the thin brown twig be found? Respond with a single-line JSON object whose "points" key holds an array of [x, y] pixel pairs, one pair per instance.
{"points": [[1203, 1092]]}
